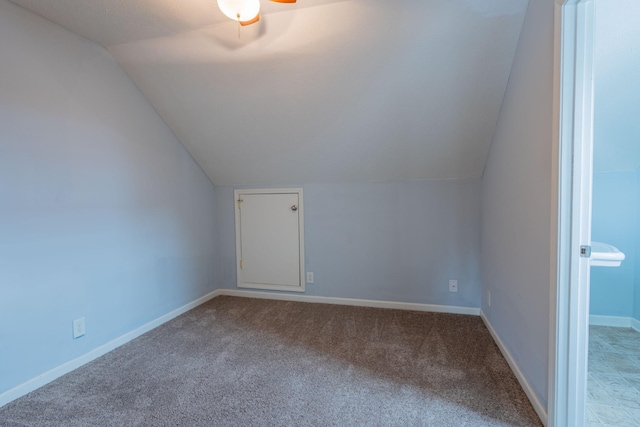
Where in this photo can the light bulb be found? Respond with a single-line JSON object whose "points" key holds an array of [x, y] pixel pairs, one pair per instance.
{"points": [[240, 10]]}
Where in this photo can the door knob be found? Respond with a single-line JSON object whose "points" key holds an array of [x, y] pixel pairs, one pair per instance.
{"points": [[294, 208]]}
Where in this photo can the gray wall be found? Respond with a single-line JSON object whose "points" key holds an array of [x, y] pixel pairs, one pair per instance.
{"points": [[516, 203], [103, 214], [399, 241]]}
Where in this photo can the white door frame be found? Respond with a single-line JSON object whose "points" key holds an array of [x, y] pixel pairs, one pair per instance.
{"points": [[572, 166]]}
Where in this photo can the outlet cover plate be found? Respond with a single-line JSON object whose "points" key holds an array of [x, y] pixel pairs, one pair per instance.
{"points": [[78, 328], [453, 285]]}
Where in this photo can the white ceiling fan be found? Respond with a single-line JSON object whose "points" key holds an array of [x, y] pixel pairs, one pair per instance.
{"points": [[246, 12]]}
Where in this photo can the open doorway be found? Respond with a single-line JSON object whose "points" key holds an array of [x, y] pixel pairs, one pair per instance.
{"points": [[612, 397], [613, 384]]}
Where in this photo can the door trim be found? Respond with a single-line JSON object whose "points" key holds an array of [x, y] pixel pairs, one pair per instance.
{"points": [[236, 194], [571, 212]]}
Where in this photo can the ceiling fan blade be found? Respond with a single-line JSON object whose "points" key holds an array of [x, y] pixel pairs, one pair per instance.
{"points": [[251, 21], [283, 1]]}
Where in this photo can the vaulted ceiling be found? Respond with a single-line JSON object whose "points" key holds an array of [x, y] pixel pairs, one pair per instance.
{"points": [[318, 91]]}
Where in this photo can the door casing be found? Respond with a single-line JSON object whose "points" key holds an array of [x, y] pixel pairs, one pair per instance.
{"points": [[571, 212]]}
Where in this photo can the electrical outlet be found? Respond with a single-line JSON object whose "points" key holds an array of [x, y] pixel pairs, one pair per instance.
{"points": [[453, 285], [78, 327], [309, 277], [488, 298]]}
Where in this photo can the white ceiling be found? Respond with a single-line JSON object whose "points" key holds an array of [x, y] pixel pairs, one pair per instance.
{"points": [[319, 91]]}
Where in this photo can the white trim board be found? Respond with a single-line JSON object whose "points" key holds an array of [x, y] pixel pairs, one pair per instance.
{"points": [[58, 371], [571, 211], [614, 321], [473, 311], [533, 398]]}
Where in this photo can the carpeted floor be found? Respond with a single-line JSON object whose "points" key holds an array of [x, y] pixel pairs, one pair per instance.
{"points": [[239, 362]]}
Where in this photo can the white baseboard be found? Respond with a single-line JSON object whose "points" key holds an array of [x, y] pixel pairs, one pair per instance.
{"points": [[615, 321], [635, 324], [533, 398], [69, 366], [473, 311]]}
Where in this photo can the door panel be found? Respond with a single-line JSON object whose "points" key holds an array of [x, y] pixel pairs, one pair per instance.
{"points": [[268, 228]]}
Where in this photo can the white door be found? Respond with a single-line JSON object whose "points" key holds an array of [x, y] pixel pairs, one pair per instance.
{"points": [[269, 244]]}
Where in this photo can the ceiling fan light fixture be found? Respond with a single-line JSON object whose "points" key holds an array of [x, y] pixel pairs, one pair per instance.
{"points": [[244, 11], [251, 21]]}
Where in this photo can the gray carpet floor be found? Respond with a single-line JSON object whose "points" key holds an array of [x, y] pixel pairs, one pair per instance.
{"points": [[240, 362]]}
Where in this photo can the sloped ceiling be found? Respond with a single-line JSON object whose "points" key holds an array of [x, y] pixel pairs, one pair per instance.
{"points": [[318, 91]]}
